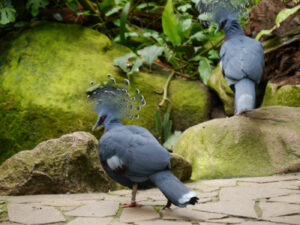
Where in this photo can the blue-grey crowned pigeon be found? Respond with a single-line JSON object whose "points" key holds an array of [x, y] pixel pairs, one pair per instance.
{"points": [[130, 154], [242, 58]]}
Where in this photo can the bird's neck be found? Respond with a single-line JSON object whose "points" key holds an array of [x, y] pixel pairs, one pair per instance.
{"points": [[109, 124], [233, 29]]}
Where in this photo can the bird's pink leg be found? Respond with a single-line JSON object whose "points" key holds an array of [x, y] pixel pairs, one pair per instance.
{"points": [[133, 202]]}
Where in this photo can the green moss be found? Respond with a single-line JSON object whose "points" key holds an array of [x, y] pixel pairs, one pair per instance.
{"points": [[195, 106], [288, 95], [217, 83], [4, 214], [45, 71], [225, 149]]}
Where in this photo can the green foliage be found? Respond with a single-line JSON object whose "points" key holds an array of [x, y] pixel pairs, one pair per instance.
{"points": [[170, 25], [35, 5], [150, 53], [7, 15], [163, 126], [124, 16], [204, 69], [281, 16], [172, 140]]}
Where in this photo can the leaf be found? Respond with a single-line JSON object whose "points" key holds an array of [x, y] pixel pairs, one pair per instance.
{"points": [[150, 53], [7, 15], [57, 16], [170, 56], [204, 69], [167, 126], [199, 36], [112, 11], [147, 5], [35, 5], [136, 65], [170, 25], [123, 61], [285, 13], [185, 7], [124, 16], [184, 28], [157, 122], [263, 32], [172, 140], [213, 54]]}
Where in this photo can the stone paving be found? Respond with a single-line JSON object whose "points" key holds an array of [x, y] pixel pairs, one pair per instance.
{"points": [[246, 201]]}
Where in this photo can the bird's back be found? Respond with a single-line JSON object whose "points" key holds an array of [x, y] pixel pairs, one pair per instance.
{"points": [[242, 57], [132, 152]]}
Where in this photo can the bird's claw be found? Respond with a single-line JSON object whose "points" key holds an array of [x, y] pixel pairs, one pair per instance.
{"points": [[168, 205], [132, 204]]}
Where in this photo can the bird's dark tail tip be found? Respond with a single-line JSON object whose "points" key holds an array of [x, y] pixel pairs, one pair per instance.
{"points": [[193, 200]]}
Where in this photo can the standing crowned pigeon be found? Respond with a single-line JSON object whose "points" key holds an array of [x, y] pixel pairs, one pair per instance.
{"points": [[130, 154], [242, 58]]}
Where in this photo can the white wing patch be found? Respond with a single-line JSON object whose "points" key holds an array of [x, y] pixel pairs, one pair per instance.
{"points": [[114, 162]]}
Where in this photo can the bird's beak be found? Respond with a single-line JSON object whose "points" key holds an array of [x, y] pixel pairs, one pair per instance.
{"points": [[98, 123], [217, 30]]}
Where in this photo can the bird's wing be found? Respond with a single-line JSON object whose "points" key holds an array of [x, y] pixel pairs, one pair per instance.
{"points": [[242, 57], [133, 151]]}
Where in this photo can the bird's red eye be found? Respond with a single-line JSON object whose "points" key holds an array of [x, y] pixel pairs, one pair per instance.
{"points": [[102, 118], [224, 22]]}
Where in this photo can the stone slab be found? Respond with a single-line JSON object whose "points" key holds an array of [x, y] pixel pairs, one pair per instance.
{"points": [[294, 219], [189, 214], [230, 220], [138, 214], [207, 194], [33, 214], [163, 222], [259, 223], [221, 182], [59, 200], [289, 199], [275, 209], [251, 192], [121, 192], [244, 208], [268, 179], [96, 209], [90, 221]]}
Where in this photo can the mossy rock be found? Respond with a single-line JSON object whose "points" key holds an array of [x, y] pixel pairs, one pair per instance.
{"points": [[287, 95], [45, 72], [66, 164], [217, 83], [263, 142]]}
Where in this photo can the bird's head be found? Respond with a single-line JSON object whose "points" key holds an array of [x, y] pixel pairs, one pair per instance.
{"points": [[224, 17], [115, 100], [223, 13]]}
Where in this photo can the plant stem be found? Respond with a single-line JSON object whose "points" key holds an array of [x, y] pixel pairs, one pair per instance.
{"points": [[165, 95], [89, 6]]}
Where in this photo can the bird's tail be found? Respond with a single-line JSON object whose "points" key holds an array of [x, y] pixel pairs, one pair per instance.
{"points": [[173, 189], [244, 96]]}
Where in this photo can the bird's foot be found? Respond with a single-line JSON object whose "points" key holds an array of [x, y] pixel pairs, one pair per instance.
{"points": [[168, 205], [132, 204]]}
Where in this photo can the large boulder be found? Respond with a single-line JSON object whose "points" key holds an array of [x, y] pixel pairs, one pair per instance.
{"points": [[45, 72], [287, 95], [263, 142], [67, 164]]}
